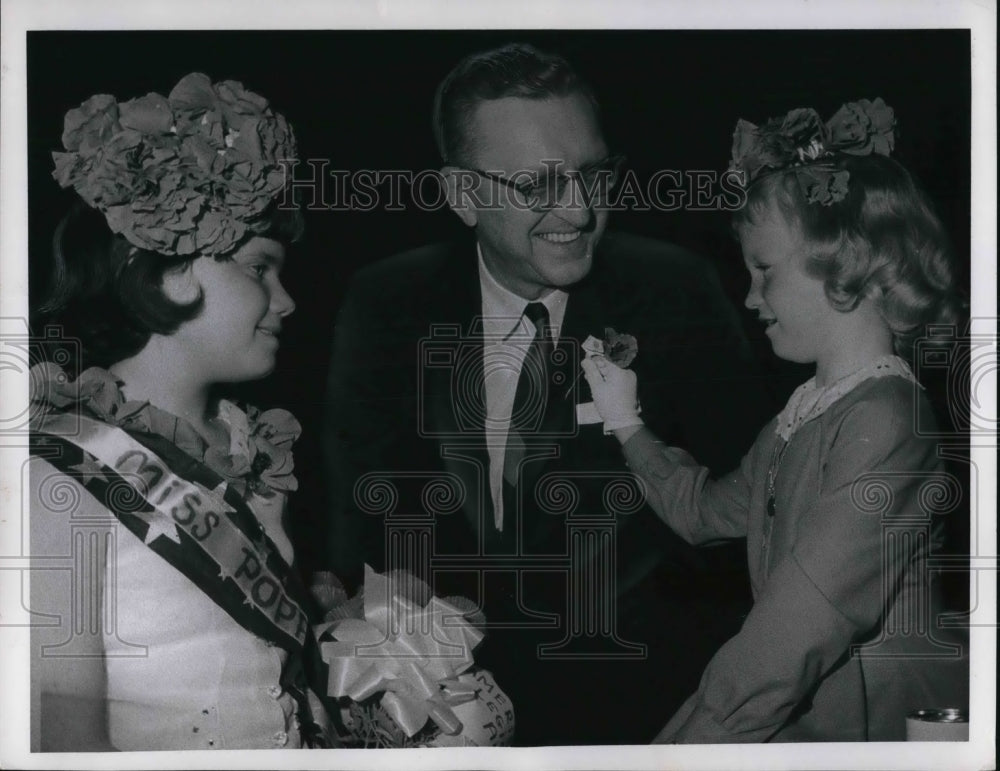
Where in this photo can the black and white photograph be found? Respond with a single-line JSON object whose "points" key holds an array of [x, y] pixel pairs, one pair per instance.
{"points": [[564, 386]]}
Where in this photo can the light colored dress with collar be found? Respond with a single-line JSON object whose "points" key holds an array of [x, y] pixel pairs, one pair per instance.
{"points": [[841, 642]]}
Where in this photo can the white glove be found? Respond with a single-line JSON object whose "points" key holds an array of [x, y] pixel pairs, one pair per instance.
{"points": [[614, 391]]}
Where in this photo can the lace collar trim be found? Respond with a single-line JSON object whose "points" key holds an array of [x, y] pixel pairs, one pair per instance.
{"points": [[809, 402]]}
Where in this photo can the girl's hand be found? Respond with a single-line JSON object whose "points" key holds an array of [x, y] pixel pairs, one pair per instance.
{"points": [[614, 391]]}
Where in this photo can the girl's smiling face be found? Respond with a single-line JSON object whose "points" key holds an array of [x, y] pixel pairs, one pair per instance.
{"points": [[801, 323], [235, 337]]}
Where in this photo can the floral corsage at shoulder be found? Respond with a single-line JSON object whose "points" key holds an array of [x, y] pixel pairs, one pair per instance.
{"points": [[800, 140], [258, 459]]}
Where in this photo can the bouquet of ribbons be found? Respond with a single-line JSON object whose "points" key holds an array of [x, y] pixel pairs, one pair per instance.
{"points": [[401, 668]]}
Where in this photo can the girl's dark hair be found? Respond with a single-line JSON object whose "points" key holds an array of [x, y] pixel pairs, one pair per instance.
{"points": [[108, 295], [883, 241]]}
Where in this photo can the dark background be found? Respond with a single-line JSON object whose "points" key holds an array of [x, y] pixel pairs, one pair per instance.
{"points": [[362, 100]]}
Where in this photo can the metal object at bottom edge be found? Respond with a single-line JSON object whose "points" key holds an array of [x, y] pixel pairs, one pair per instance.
{"points": [[938, 725]]}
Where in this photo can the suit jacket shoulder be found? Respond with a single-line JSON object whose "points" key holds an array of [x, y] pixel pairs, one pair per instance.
{"points": [[649, 252], [629, 265], [416, 281], [627, 257]]}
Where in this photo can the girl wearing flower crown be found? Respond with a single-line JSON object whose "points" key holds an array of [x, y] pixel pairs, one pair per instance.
{"points": [[182, 624], [848, 265]]}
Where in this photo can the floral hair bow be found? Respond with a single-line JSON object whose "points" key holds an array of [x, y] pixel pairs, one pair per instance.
{"points": [[800, 140], [189, 173]]}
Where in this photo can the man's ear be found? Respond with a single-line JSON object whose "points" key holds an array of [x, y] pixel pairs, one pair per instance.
{"points": [[459, 186], [180, 285]]}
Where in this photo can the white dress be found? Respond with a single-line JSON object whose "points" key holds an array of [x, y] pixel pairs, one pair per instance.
{"points": [[180, 672], [205, 681]]}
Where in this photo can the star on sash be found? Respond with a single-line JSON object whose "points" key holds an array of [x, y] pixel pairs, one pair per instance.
{"points": [[159, 525], [217, 496], [262, 547], [89, 469]]}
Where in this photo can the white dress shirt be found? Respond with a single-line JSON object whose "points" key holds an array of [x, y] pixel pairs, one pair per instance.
{"points": [[507, 336]]}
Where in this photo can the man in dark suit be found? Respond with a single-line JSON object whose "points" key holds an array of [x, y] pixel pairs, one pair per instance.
{"points": [[460, 445]]}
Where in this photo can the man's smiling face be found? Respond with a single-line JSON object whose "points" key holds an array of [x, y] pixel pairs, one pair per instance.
{"points": [[530, 251]]}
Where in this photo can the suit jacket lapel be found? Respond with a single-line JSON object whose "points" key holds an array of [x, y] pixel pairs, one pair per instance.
{"points": [[455, 391], [584, 317]]}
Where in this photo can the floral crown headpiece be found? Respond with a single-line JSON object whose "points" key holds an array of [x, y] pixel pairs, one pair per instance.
{"points": [[801, 141], [185, 174]]}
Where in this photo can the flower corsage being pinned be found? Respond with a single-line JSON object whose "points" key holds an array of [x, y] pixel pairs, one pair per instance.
{"points": [[618, 348], [401, 667], [800, 140]]}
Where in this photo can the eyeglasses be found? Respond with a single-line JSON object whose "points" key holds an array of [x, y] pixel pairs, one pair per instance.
{"points": [[540, 192]]}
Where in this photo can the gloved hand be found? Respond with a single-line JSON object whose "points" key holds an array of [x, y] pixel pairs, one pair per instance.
{"points": [[614, 390]]}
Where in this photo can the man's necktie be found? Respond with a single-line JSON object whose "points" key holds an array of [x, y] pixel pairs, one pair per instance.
{"points": [[530, 401]]}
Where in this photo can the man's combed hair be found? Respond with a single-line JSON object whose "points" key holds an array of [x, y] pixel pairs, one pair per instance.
{"points": [[883, 241], [514, 70], [108, 294]]}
